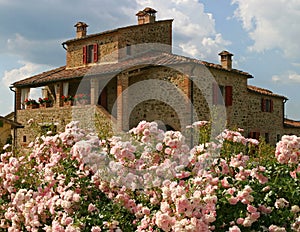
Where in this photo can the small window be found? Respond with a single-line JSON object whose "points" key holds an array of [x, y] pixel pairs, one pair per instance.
{"points": [[267, 105], [90, 54], [267, 137], [128, 50], [254, 135], [278, 137], [218, 93], [24, 139], [1, 123], [222, 94]]}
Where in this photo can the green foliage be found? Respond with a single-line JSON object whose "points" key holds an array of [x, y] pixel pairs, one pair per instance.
{"points": [[103, 127]]}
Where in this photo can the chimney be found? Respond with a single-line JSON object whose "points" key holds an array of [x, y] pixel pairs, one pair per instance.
{"points": [[226, 60], [146, 16], [81, 29]]}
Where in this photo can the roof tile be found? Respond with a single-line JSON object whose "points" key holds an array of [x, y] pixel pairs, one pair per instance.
{"points": [[264, 91], [147, 58]]}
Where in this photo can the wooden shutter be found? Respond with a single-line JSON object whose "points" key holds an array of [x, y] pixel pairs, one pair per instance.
{"points": [[228, 95], [263, 105], [95, 50], [215, 93], [271, 106], [84, 54], [257, 135], [251, 135]]}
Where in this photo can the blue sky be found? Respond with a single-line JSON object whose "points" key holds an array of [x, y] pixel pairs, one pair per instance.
{"points": [[262, 35]]}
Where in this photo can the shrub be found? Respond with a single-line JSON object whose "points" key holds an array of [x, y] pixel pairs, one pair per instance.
{"points": [[150, 180]]}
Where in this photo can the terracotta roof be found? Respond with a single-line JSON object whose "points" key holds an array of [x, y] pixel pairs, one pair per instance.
{"points": [[147, 58], [291, 123], [264, 91]]}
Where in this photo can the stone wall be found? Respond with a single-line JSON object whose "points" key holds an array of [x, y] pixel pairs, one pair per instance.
{"points": [[157, 36], [107, 49], [291, 131], [159, 93], [112, 45], [90, 118], [267, 124]]}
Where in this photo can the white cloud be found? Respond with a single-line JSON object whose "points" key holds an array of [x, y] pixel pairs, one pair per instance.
{"points": [[271, 24], [193, 28], [28, 69], [294, 77], [287, 78]]}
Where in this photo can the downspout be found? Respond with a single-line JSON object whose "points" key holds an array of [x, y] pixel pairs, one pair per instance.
{"points": [[15, 118]]}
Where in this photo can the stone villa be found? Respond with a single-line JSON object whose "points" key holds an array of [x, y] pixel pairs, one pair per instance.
{"points": [[122, 76]]}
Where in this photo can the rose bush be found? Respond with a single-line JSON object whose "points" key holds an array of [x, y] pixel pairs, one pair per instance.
{"points": [[150, 180]]}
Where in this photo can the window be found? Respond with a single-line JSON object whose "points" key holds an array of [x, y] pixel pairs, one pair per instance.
{"points": [[1, 123], [218, 92], [90, 53], [128, 50], [222, 94], [24, 139], [254, 135], [266, 105], [278, 137], [267, 137]]}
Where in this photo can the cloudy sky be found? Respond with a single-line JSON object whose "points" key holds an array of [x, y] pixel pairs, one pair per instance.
{"points": [[262, 35]]}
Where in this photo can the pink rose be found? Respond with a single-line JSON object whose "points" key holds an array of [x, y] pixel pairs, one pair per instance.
{"points": [[234, 229]]}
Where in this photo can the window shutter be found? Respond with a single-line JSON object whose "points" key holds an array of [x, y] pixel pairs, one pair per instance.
{"points": [[263, 105], [271, 106], [84, 54], [257, 135], [95, 49], [215, 93], [228, 95], [251, 135]]}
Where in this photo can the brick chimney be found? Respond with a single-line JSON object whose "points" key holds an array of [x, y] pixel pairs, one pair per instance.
{"points": [[81, 29], [226, 60], [147, 15]]}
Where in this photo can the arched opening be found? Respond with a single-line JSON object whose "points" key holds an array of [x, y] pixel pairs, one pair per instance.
{"points": [[155, 110]]}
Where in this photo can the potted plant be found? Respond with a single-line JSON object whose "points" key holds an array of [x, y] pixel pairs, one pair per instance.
{"points": [[31, 104], [44, 102], [67, 100], [81, 99]]}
